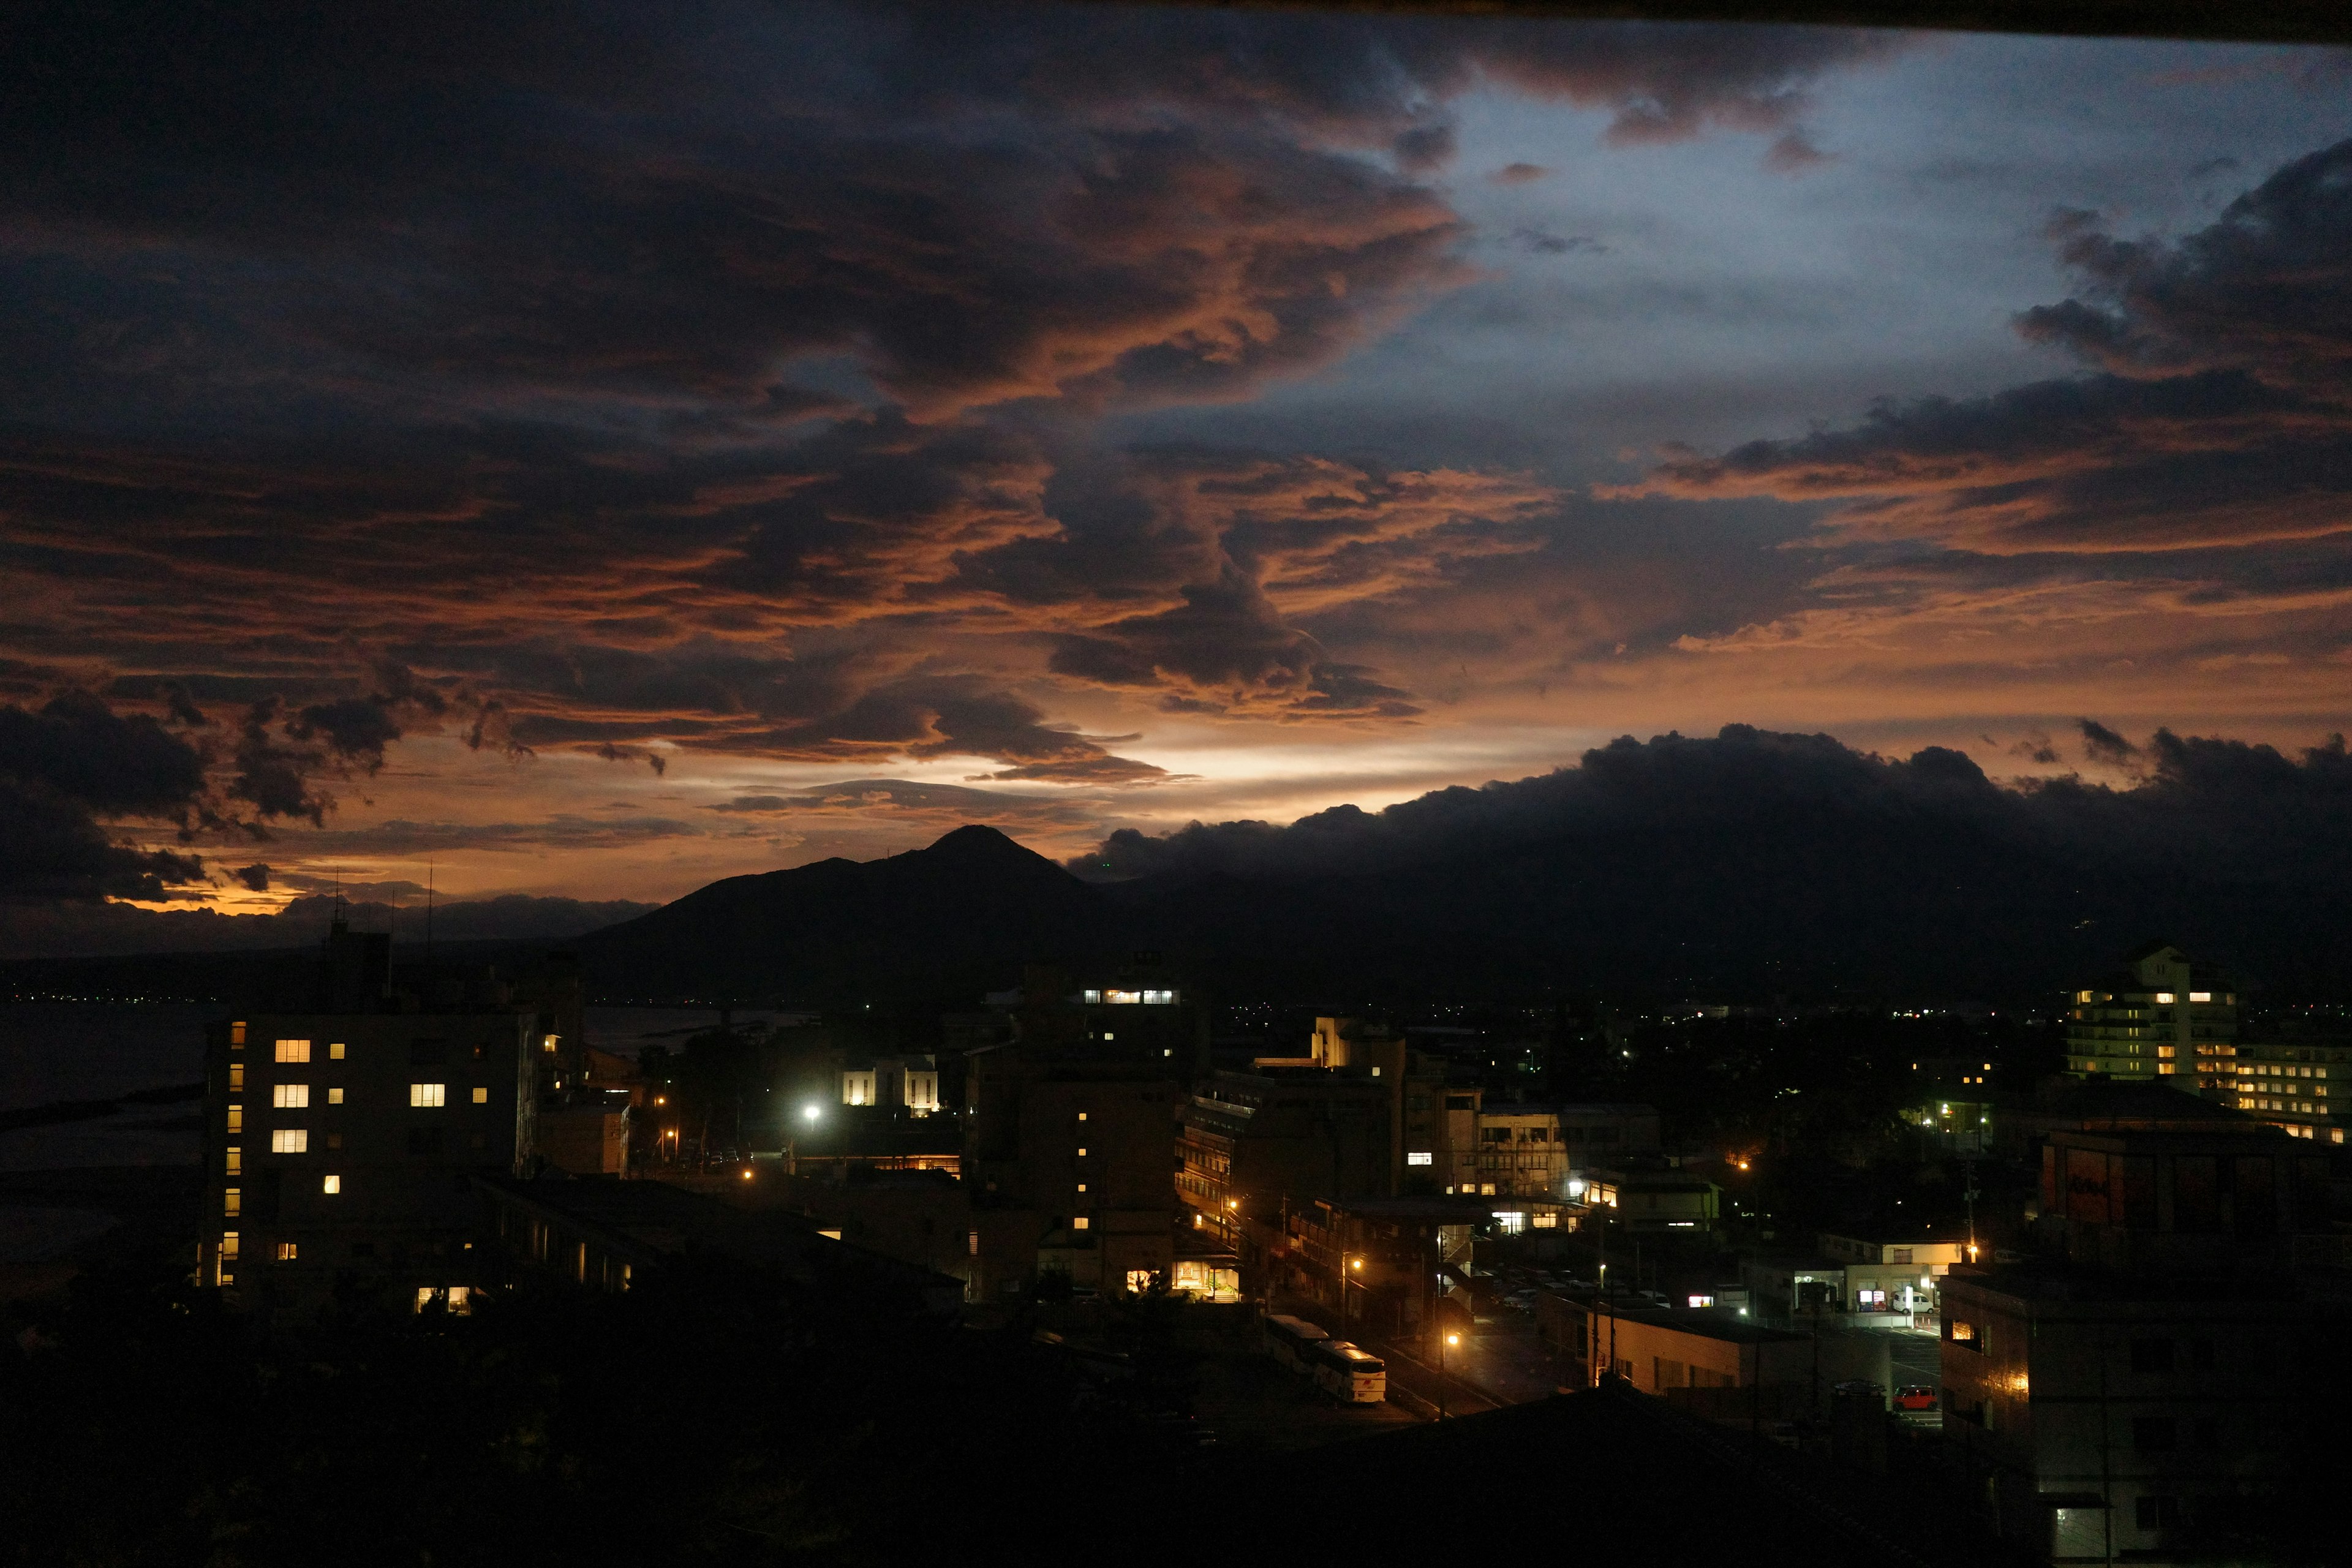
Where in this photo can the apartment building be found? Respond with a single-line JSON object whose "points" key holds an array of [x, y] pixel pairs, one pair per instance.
{"points": [[2159, 1015], [2297, 1080]]}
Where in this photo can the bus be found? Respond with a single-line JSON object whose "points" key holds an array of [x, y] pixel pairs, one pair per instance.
{"points": [[1349, 1374], [1290, 1339]]}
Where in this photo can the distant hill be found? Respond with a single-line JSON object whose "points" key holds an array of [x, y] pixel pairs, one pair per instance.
{"points": [[940, 923]]}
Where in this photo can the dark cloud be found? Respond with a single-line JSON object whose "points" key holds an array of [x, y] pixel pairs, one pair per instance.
{"points": [[90, 930], [2216, 412], [1769, 856], [1540, 242], [1518, 175], [67, 766], [254, 878], [2105, 745]]}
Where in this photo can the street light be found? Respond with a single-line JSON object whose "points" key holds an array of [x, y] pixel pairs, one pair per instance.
{"points": [[1444, 1339]]}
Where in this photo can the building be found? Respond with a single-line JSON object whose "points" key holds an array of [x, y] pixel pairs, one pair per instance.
{"points": [[907, 1082], [1533, 1150], [1377, 1261], [1069, 1129], [2162, 1381], [338, 1138], [1650, 1199], [1664, 1352], [2136, 1417], [1250, 1143], [1952, 1104], [1900, 1279], [2159, 1015], [2285, 1079]]}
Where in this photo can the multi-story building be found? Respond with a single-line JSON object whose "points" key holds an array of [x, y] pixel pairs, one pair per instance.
{"points": [[2160, 1384], [2299, 1079], [1068, 1129], [1533, 1150], [1900, 1277], [1656, 1198], [1952, 1103], [1249, 1142], [2160, 1015], [336, 1139]]}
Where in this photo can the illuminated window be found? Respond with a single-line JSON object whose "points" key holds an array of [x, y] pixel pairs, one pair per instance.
{"points": [[228, 1246], [1094, 998], [232, 1203], [547, 1042], [1547, 1222], [236, 1119], [1109, 1036], [1082, 1116], [234, 1160], [335, 1051], [334, 1096], [237, 1077], [236, 1036], [290, 1096], [293, 1050], [289, 1141], [1082, 1154], [1082, 1187], [426, 1096], [972, 1244], [2201, 996], [2163, 996], [481, 1096], [1421, 1159], [330, 1185], [1081, 1222], [286, 1252], [1485, 1189]]}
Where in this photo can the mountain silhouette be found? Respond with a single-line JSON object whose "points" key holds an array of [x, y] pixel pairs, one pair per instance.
{"points": [[941, 923]]}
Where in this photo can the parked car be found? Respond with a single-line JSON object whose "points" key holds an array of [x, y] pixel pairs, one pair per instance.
{"points": [[1914, 1396]]}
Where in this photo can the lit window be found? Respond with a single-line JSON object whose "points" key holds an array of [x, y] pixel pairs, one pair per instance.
{"points": [[1082, 1187], [286, 1252], [547, 1042], [1109, 1036], [289, 1141], [1081, 1222], [481, 1096], [290, 1096], [228, 1246], [236, 1119], [2201, 996], [232, 1203], [334, 1096], [335, 1051], [1082, 1116], [1094, 998], [425, 1096], [2163, 996], [1421, 1159], [235, 1160], [237, 1077], [1082, 1154], [293, 1050], [972, 1244], [330, 1185], [236, 1036]]}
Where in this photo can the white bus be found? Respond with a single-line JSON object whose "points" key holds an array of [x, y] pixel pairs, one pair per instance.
{"points": [[1290, 1340], [1348, 1375]]}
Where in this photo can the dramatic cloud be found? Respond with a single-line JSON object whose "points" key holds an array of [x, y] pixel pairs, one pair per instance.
{"points": [[2218, 415], [70, 764]]}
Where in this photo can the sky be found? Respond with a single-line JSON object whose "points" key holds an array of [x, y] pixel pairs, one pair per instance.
{"points": [[588, 453]]}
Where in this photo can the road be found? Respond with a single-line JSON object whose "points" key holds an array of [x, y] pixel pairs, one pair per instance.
{"points": [[1497, 1363]]}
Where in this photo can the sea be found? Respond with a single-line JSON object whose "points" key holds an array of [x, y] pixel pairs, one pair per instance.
{"points": [[57, 1053]]}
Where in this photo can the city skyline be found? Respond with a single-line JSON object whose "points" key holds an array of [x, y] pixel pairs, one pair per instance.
{"points": [[846, 422]]}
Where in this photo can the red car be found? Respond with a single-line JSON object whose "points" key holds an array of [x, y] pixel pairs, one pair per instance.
{"points": [[1918, 1396]]}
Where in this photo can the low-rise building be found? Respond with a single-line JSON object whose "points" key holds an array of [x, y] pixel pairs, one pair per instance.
{"points": [[1661, 1198], [1660, 1351], [1897, 1278]]}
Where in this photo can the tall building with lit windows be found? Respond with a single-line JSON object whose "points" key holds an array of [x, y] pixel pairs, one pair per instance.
{"points": [[2160, 1015], [338, 1138]]}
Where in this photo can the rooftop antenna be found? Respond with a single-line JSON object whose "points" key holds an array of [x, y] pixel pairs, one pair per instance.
{"points": [[428, 915]]}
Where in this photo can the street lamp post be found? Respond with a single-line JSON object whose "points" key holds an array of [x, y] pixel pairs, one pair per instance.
{"points": [[1445, 1337]]}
